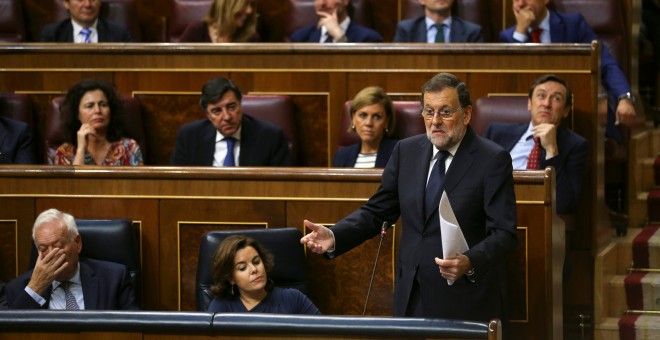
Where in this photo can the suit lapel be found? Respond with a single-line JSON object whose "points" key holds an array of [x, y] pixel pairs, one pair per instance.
{"points": [[420, 31], [457, 31], [247, 154], [557, 28], [102, 31], [90, 285], [208, 144], [460, 165], [316, 35]]}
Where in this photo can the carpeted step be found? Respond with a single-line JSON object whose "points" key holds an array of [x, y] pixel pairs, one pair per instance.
{"points": [[639, 326], [646, 247], [643, 291]]}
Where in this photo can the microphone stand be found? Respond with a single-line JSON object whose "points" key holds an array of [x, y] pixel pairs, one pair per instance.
{"points": [[383, 231]]}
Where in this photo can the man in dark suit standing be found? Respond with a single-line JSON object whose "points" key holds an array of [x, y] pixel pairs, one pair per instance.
{"points": [[550, 100], [227, 137], [535, 23], [437, 25], [63, 280], [16, 143], [479, 185], [85, 25], [334, 25]]}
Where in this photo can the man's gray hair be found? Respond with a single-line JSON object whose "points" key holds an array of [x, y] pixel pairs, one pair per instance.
{"points": [[51, 215]]}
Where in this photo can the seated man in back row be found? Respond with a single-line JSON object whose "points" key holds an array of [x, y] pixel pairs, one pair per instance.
{"points": [[85, 25], [227, 137], [334, 26], [437, 25], [544, 142], [536, 24], [63, 280]]}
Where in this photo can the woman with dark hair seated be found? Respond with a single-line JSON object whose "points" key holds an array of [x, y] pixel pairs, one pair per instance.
{"points": [[92, 112], [240, 275], [372, 118]]}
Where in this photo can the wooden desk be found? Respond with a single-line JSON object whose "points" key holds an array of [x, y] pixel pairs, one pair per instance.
{"points": [[172, 207]]}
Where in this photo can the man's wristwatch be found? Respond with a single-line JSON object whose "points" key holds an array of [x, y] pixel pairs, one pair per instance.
{"points": [[627, 95]]}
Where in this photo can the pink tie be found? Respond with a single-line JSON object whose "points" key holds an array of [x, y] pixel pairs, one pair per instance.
{"points": [[534, 159]]}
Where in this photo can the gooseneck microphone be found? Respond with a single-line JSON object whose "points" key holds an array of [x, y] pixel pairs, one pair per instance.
{"points": [[383, 231]]}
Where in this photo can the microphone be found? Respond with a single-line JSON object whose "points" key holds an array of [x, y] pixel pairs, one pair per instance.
{"points": [[383, 231]]}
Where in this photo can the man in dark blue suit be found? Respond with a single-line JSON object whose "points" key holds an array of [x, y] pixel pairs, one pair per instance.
{"points": [[479, 185], [61, 279], [535, 22], [550, 100], [437, 13], [227, 137], [16, 145], [334, 25], [85, 25]]}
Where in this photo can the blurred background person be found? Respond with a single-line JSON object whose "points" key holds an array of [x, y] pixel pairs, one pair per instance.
{"points": [[92, 115], [85, 25], [334, 25], [16, 142], [372, 118], [240, 275], [227, 21], [437, 25]]}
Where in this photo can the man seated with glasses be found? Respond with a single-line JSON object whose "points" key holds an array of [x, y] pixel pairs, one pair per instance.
{"points": [[544, 142], [227, 137], [85, 26]]}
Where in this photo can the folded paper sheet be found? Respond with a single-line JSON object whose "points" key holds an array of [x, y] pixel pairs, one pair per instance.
{"points": [[453, 240]]}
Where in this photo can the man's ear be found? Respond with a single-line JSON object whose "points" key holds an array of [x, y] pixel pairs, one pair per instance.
{"points": [[78, 241]]}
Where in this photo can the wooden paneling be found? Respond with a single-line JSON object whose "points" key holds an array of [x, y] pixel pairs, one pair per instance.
{"points": [[174, 206], [319, 79]]}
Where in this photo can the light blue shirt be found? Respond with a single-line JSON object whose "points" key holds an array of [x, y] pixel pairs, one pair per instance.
{"points": [[520, 152]]}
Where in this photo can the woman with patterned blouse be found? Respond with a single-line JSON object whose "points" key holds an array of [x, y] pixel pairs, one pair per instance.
{"points": [[92, 111]]}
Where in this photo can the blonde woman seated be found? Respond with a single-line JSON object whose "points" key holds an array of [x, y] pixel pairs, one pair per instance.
{"points": [[240, 275], [227, 21], [92, 111], [372, 118]]}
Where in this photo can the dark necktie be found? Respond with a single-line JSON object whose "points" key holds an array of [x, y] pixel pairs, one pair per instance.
{"points": [[86, 33], [229, 159], [536, 35], [71, 303], [534, 159], [435, 183], [440, 34], [328, 39]]}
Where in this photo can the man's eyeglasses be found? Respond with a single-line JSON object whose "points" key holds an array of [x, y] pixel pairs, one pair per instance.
{"points": [[446, 113]]}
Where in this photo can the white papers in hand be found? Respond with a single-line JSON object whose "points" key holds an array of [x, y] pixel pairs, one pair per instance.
{"points": [[453, 240]]}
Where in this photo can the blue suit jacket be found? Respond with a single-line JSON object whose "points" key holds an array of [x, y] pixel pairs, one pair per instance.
{"points": [[572, 28], [105, 285], [569, 164], [108, 31], [347, 156], [479, 184], [16, 145], [262, 144], [414, 30], [354, 33]]}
